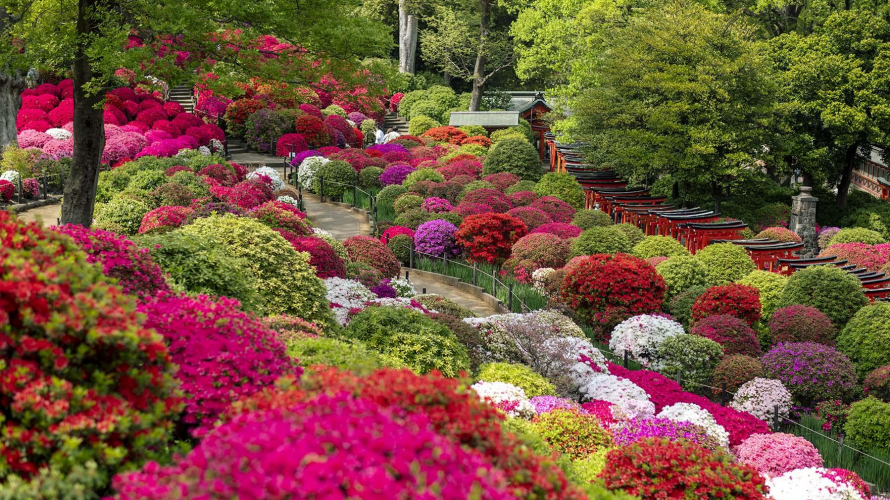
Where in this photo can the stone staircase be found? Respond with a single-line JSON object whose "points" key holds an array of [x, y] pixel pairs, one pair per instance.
{"points": [[182, 94], [394, 121]]}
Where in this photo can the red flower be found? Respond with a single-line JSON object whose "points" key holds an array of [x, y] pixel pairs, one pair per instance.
{"points": [[489, 237], [735, 300]]}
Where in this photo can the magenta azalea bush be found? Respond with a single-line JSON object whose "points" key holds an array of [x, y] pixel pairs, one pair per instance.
{"points": [[637, 429], [775, 454], [436, 205], [533, 217], [811, 372], [223, 353], [395, 174], [163, 219], [799, 323], [436, 238], [561, 229]]}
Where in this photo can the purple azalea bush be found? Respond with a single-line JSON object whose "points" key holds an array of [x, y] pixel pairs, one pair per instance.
{"points": [[637, 429], [395, 174], [436, 238], [436, 205]]}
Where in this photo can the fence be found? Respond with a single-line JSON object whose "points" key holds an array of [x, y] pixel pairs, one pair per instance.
{"points": [[56, 182]]}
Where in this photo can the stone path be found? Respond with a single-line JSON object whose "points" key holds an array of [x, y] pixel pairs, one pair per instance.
{"points": [[459, 296], [46, 214]]}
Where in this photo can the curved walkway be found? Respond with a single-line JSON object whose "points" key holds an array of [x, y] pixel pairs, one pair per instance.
{"points": [[46, 215]]}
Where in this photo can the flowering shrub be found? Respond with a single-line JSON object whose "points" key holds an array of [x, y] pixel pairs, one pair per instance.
{"points": [[544, 404], [321, 255], [816, 484], [490, 197], [208, 338], [761, 396], [571, 432], [308, 169], [506, 397], [769, 285], [732, 333], [779, 233], [220, 173], [532, 217], [395, 174], [521, 198], [857, 235], [733, 371], [436, 205], [607, 289], [825, 236], [313, 131], [725, 262], [519, 375], [637, 429], [290, 144], [60, 320], [641, 336], [833, 415], [877, 383], [659, 246], [812, 372], [691, 357], [659, 468], [695, 414], [276, 216], [293, 450], [489, 237], [564, 231], [735, 300], [436, 238], [7, 190], [775, 454], [541, 249], [345, 295], [629, 399], [449, 134], [393, 231], [374, 253], [236, 114], [470, 167], [833, 291], [557, 209], [164, 219], [871, 257], [119, 258]]}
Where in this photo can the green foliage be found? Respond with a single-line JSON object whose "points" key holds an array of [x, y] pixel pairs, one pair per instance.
{"points": [[387, 196], [444, 305], [681, 273], [589, 219], [353, 355], [338, 247], [408, 335], [513, 156], [571, 432], [424, 174], [865, 338], [122, 214], [519, 375], [725, 263], [659, 246], [474, 130], [285, 279], [603, 239], [507, 133], [201, 265], [634, 234], [401, 245], [435, 102], [692, 358], [680, 306], [833, 291], [19, 160], [521, 186], [420, 124], [333, 109], [562, 186], [472, 186], [770, 286], [407, 202], [112, 183], [147, 180], [338, 177], [369, 177], [868, 424], [192, 181], [857, 235]]}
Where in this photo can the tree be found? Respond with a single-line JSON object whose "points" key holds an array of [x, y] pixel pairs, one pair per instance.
{"points": [[678, 90], [469, 41], [85, 38], [836, 88], [11, 85]]}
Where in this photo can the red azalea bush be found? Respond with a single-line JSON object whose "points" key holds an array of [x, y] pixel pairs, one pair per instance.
{"points": [[163, 219], [276, 217], [502, 180], [733, 371], [449, 134], [800, 323], [735, 300], [238, 111], [479, 140], [223, 353], [561, 229], [779, 233], [340, 124], [7, 190], [222, 174], [522, 198], [373, 253], [532, 217], [321, 254], [119, 258], [558, 210], [877, 383], [470, 167], [605, 289], [81, 378], [393, 231], [313, 131], [290, 143], [489, 237], [245, 194], [660, 469], [493, 198], [732, 333]]}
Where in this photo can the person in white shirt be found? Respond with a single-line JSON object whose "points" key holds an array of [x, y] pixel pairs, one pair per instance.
{"points": [[378, 135], [390, 135]]}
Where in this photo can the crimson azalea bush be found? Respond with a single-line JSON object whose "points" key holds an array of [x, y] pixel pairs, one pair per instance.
{"points": [[877, 383], [811, 372], [223, 353], [871, 257], [799, 323], [489, 237], [606, 289], [394, 231], [119, 258], [373, 253], [220, 173], [321, 254], [733, 371], [81, 378], [490, 197], [735, 300], [163, 219], [454, 412], [277, 216], [522, 198], [290, 143], [245, 194], [532, 217], [563, 230], [557, 209], [502, 180], [313, 131], [7, 190], [732, 333], [659, 468]]}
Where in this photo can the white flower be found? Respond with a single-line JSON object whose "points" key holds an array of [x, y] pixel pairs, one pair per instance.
{"points": [[346, 294], [13, 177], [695, 414], [59, 134], [402, 302], [538, 280], [269, 172], [403, 287], [641, 335], [761, 396], [566, 358], [516, 338], [507, 397], [631, 399], [350, 122], [204, 150], [811, 483], [184, 152], [308, 168], [320, 231], [289, 200], [216, 145]]}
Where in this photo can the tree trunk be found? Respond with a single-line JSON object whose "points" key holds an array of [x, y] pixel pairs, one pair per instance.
{"points": [[479, 71], [717, 193], [843, 188], [446, 76], [89, 127], [407, 39], [11, 85], [675, 190]]}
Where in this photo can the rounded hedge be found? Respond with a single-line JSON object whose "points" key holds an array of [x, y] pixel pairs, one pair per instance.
{"points": [[857, 235], [868, 425], [602, 239], [734, 371], [659, 246], [681, 273], [387, 196], [122, 214], [589, 219], [866, 337], [811, 372], [732, 333], [423, 344], [634, 234], [353, 356], [680, 306], [374, 253], [736, 300], [725, 262], [691, 358], [420, 124], [423, 174], [528, 186], [802, 324], [338, 176], [285, 279], [770, 286], [515, 156], [369, 177], [401, 245], [562, 186], [833, 291], [407, 202], [519, 375], [877, 383]]}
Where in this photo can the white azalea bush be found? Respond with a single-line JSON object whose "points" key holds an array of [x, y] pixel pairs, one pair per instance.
{"points": [[515, 338], [308, 168], [695, 414], [761, 396], [812, 483], [509, 398], [630, 400], [269, 172], [59, 134], [290, 200], [641, 335], [403, 287], [539, 280], [344, 294]]}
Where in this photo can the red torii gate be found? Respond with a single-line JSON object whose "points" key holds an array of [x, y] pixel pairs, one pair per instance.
{"points": [[668, 223], [700, 234]]}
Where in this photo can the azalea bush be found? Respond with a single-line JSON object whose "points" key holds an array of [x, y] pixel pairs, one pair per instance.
{"points": [[572, 432], [761, 397], [695, 414], [489, 237], [164, 219], [857, 235], [515, 156], [564, 231], [818, 484], [812, 372], [588, 219], [641, 336], [779, 233], [681, 273], [436, 238], [638, 429], [861, 338], [725, 262], [769, 285], [690, 358], [519, 375], [122, 214], [868, 424], [877, 383], [373, 253], [659, 246], [601, 240], [562, 186], [871, 257], [735, 300], [732, 333], [557, 209], [777, 453], [322, 257], [734, 370], [489, 197], [833, 291]]}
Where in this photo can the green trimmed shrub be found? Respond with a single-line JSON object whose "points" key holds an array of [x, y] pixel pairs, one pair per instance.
{"points": [[201, 265], [770, 286], [414, 217], [725, 263], [338, 177], [868, 425], [472, 186], [353, 356], [420, 124], [572, 432], [407, 202], [690, 357], [423, 174], [147, 180], [659, 246], [122, 214], [338, 247], [467, 335], [444, 305], [474, 130], [857, 235], [607, 239], [507, 133], [410, 336], [562, 186], [680, 306], [833, 291], [387, 196], [193, 181], [521, 186], [112, 183], [401, 245], [285, 279], [519, 375], [681, 273], [515, 156], [333, 109], [634, 234], [865, 338], [589, 219], [369, 177]]}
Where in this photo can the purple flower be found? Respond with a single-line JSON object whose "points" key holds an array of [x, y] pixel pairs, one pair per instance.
{"points": [[637, 429], [302, 156], [543, 404], [436, 238], [384, 290], [395, 174]]}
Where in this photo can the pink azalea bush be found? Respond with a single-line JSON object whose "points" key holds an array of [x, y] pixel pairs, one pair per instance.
{"points": [[163, 219], [561, 229], [775, 454]]}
